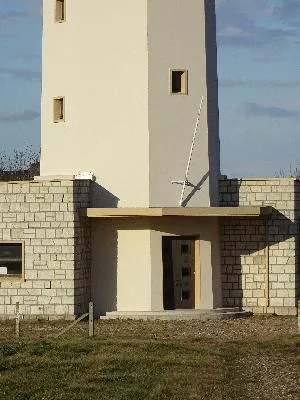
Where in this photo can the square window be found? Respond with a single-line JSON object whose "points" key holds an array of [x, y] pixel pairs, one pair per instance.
{"points": [[185, 295], [184, 249], [179, 81], [60, 10], [59, 109], [185, 271], [11, 259]]}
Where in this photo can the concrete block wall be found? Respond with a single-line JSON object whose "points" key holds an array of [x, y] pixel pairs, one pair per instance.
{"points": [[47, 216], [260, 256]]}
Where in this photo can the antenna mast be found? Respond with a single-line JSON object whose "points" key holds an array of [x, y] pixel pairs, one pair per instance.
{"points": [[186, 181]]}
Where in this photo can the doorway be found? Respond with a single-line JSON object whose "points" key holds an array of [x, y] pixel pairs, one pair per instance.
{"points": [[179, 254]]}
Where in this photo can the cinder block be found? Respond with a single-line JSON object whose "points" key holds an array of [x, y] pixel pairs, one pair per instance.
{"points": [[250, 285], [37, 310], [46, 275], [289, 302], [277, 285], [30, 300], [45, 207], [67, 284], [54, 249], [283, 277], [258, 293], [275, 302], [61, 309], [57, 190], [44, 299], [48, 242], [62, 292], [68, 300], [259, 278], [40, 216], [49, 310], [37, 284], [251, 302], [50, 233], [30, 274]]}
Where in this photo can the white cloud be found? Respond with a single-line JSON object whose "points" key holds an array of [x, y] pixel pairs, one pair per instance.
{"points": [[259, 83], [258, 110], [26, 74], [19, 116], [257, 23]]}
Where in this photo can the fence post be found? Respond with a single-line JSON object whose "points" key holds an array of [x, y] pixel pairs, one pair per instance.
{"points": [[298, 316], [17, 319], [91, 319]]}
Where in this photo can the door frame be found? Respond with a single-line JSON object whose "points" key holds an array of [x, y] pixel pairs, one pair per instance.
{"points": [[197, 273], [197, 257]]}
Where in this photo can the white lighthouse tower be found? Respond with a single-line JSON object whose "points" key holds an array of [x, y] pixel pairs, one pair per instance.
{"points": [[123, 81]]}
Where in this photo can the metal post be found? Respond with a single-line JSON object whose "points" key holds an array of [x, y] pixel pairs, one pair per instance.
{"points": [[299, 317], [267, 264], [17, 319], [191, 153], [91, 319]]}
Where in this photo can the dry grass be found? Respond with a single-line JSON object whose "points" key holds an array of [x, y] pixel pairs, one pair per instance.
{"points": [[255, 358]]}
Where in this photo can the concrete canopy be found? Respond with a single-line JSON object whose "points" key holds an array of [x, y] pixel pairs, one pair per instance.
{"points": [[246, 211]]}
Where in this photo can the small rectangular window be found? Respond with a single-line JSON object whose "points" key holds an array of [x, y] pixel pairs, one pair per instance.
{"points": [[185, 271], [60, 10], [11, 259], [184, 249], [178, 81], [59, 109], [185, 295]]}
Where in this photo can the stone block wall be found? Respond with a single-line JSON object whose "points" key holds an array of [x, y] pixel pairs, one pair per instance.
{"points": [[47, 216], [260, 256]]}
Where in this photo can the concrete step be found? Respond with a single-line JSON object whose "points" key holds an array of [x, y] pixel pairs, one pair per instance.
{"points": [[169, 315]]}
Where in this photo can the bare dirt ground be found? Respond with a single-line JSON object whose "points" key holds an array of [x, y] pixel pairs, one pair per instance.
{"points": [[259, 327]]}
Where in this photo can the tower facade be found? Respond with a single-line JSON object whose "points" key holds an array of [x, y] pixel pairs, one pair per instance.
{"points": [[123, 81], [122, 85]]}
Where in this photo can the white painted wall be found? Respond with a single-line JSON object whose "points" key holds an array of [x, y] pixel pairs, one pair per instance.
{"points": [[127, 273], [98, 60], [134, 266], [111, 60], [121, 265], [178, 37], [104, 265]]}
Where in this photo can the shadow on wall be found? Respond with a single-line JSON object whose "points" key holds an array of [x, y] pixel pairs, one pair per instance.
{"points": [[102, 198], [212, 112], [195, 189], [212, 101], [297, 230], [82, 245], [247, 244], [104, 237]]}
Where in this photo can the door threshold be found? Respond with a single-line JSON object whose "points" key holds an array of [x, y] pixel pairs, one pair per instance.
{"points": [[201, 315]]}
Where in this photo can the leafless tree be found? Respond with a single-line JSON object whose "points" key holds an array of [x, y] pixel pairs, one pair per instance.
{"points": [[19, 165]]}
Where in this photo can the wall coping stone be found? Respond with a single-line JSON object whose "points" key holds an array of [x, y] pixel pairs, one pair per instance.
{"points": [[258, 179], [37, 179], [55, 178]]}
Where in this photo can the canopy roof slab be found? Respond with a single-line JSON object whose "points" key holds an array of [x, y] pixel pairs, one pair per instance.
{"points": [[246, 211]]}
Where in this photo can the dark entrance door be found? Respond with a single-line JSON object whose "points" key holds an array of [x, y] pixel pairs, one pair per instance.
{"points": [[179, 272]]}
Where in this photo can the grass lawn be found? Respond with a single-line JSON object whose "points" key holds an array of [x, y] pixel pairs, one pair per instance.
{"points": [[256, 358]]}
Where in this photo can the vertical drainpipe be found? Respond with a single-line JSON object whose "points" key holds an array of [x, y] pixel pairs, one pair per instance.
{"points": [[267, 273]]}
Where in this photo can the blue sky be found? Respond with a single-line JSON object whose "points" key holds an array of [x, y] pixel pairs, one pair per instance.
{"points": [[20, 73], [259, 82]]}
